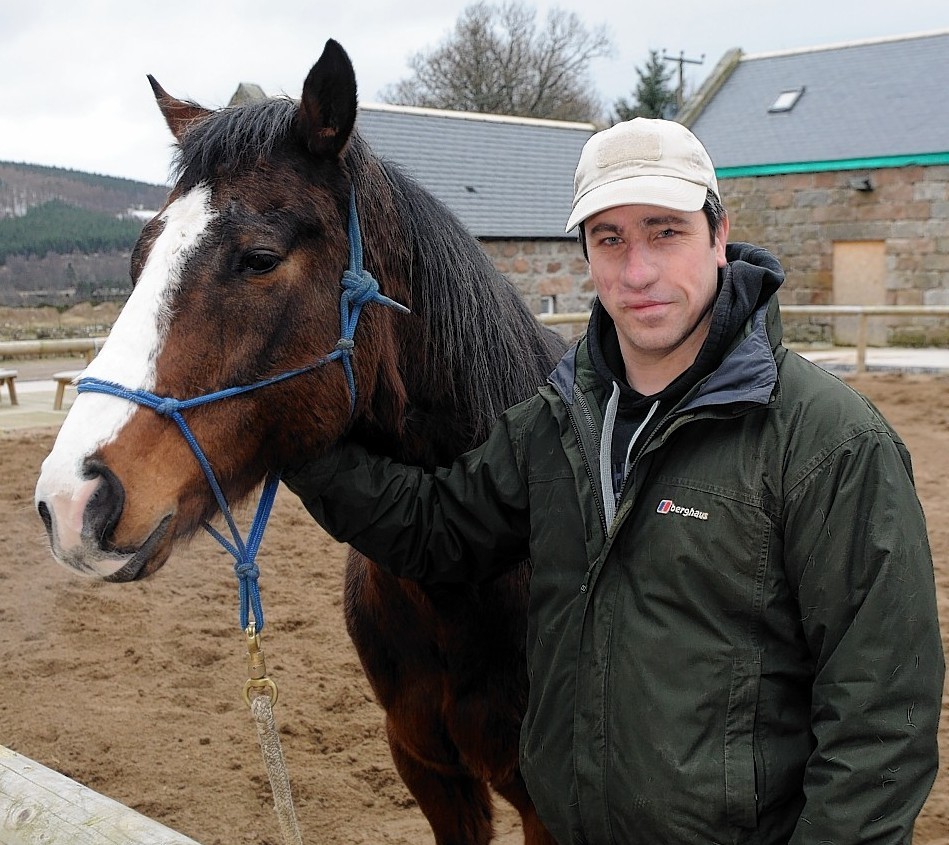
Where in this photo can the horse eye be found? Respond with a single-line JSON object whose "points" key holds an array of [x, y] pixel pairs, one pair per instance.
{"points": [[259, 261]]}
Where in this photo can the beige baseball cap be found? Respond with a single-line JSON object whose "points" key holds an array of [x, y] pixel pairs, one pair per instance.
{"points": [[641, 162]]}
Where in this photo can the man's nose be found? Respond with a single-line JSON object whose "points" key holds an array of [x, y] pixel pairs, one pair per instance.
{"points": [[640, 268]]}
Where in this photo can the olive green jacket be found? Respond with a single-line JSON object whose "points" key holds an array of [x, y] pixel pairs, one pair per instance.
{"points": [[747, 652]]}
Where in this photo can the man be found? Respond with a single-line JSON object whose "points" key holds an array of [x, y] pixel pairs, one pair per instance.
{"points": [[733, 632]]}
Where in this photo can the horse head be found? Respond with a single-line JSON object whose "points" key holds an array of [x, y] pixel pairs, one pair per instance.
{"points": [[236, 283]]}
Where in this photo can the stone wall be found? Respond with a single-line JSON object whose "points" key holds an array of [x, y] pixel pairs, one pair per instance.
{"points": [[799, 217], [545, 268]]}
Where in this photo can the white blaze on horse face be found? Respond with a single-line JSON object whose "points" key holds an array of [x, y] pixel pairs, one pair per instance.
{"points": [[127, 358]]}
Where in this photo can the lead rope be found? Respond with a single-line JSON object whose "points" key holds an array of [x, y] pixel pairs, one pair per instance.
{"points": [[261, 707], [359, 288], [262, 711]]}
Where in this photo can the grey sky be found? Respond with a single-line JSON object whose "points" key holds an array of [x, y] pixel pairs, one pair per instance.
{"points": [[73, 91]]}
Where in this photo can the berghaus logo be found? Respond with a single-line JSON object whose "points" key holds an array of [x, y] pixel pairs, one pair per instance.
{"points": [[668, 506]]}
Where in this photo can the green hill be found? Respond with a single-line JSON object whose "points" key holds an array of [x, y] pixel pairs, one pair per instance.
{"points": [[66, 235], [56, 226]]}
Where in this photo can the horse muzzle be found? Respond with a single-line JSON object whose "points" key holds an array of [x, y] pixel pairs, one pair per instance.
{"points": [[81, 523]]}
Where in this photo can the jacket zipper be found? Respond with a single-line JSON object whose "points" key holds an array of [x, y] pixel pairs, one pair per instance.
{"points": [[591, 427], [632, 463], [657, 428]]}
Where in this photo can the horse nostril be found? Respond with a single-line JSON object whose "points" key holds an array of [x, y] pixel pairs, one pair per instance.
{"points": [[45, 516], [105, 505]]}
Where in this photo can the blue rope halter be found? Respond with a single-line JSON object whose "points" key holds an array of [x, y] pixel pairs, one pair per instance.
{"points": [[359, 288]]}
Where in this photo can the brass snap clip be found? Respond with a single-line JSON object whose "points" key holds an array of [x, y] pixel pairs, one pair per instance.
{"points": [[257, 669]]}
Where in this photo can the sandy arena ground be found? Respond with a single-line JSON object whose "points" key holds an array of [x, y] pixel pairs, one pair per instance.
{"points": [[134, 690]]}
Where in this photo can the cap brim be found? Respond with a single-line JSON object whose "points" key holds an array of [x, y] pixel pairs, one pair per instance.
{"points": [[664, 191]]}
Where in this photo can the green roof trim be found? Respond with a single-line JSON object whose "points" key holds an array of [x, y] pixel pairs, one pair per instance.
{"points": [[921, 159]]}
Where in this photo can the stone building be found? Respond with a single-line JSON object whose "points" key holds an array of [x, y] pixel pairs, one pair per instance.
{"points": [[836, 158]]}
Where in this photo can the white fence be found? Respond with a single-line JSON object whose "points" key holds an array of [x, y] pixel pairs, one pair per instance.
{"points": [[864, 312], [39, 806]]}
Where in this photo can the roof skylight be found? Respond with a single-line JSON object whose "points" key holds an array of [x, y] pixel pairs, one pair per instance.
{"points": [[787, 99]]}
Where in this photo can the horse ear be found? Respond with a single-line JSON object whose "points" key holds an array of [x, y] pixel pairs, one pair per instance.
{"points": [[328, 104], [179, 115]]}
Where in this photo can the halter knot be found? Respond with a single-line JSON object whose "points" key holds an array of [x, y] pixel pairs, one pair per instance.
{"points": [[361, 287], [167, 406], [346, 345], [247, 569]]}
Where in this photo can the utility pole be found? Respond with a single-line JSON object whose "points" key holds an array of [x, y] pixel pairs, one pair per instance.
{"points": [[681, 60]]}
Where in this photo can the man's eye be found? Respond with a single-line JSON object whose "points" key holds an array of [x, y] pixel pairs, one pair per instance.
{"points": [[259, 261]]}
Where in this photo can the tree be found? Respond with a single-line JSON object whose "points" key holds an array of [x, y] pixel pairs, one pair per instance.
{"points": [[57, 226], [653, 96], [498, 61]]}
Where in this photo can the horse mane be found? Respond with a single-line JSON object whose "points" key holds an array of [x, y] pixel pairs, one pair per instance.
{"points": [[233, 138], [479, 349], [480, 346]]}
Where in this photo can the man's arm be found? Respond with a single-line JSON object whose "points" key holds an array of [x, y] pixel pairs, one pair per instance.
{"points": [[856, 544], [466, 522]]}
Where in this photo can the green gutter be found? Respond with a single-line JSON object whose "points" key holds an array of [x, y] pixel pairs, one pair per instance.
{"points": [[922, 160]]}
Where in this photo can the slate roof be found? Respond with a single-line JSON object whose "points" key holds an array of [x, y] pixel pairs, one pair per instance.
{"points": [[884, 98], [504, 177]]}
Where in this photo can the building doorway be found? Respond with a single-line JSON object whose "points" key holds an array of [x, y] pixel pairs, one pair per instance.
{"points": [[859, 278]]}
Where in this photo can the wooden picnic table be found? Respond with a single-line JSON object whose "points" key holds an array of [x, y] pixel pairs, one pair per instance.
{"points": [[8, 378]]}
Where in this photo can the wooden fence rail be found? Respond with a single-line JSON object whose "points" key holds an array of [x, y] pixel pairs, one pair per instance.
{"points": [[864, 312], [57, 346], [39, 806], [90, 345]]}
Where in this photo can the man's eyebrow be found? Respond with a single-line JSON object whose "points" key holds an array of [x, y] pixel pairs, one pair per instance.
{"points": [[604, 227], [647, 222], [663, 220]]}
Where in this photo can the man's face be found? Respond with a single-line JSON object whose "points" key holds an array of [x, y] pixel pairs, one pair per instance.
{"points": [[656, 274]]}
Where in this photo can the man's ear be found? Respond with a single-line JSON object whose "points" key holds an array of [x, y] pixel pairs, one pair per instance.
{"points": [[721, 240]]}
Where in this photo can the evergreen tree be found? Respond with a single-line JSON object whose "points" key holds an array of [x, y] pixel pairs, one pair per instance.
{"points": [[57, 226], [653, 97]]}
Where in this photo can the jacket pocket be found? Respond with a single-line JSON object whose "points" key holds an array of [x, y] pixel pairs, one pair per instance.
{"points": [[739, 756]]}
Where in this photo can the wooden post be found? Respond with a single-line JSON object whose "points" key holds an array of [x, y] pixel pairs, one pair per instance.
{"points": [[41, 807], [862, 345]]}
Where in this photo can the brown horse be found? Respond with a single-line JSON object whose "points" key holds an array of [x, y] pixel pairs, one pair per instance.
{"points": [[238, 285]]}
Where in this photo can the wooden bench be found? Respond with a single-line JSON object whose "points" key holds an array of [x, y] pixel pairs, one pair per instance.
{"points": [[62, 379], [8, 377]]}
